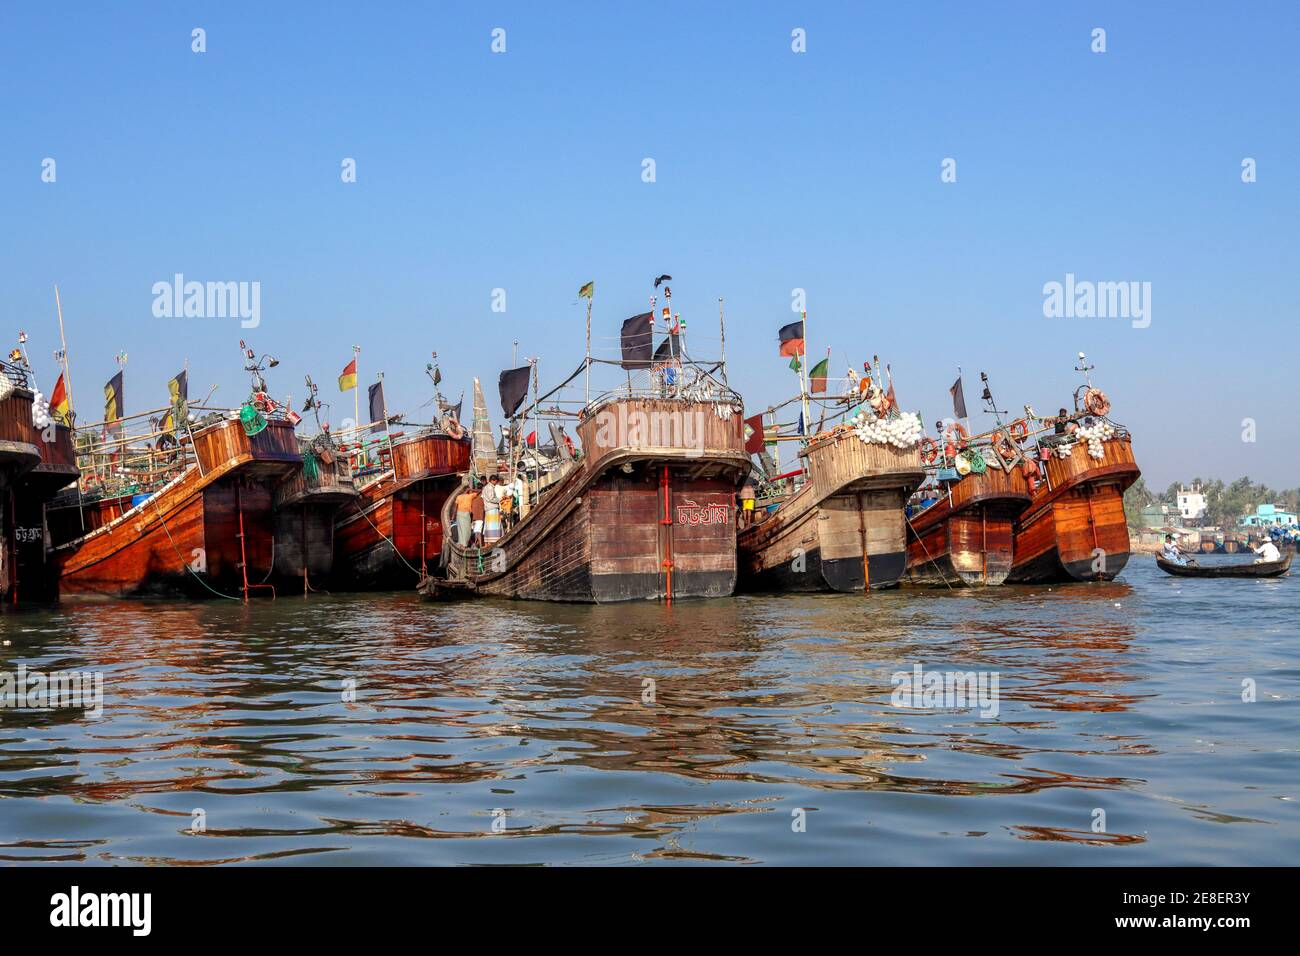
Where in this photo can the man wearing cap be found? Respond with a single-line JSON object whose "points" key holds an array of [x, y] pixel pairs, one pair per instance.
{"points": [[1267, 552]]}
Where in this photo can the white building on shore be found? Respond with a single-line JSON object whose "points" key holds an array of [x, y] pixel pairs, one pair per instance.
{"points": [[1191, 504]]}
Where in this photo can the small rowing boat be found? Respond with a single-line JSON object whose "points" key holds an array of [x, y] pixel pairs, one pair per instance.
{"points": [[1263, 569]]}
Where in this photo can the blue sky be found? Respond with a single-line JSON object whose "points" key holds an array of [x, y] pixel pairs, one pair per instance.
{"points": [[774, 171]]}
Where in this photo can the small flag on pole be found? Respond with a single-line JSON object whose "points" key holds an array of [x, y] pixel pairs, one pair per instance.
{"points": [[59, 407], [817, 377], [587, 290], [348, 379], [179, 391], [754, 434], [377, 414], [958, 399], [113, 403], [792, 338]]}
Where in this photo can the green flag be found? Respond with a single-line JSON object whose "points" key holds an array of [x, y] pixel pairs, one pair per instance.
{"points": [[818, 376], [587, 290], [794, 363]]}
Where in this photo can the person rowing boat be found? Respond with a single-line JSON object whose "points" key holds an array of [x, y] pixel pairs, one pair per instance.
{"points": [[1267, 552], [1174, 555]]}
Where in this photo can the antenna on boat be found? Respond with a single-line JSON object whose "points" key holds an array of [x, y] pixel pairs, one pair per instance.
{"points": [[1085, 368], [987, 396], [722, 331]]}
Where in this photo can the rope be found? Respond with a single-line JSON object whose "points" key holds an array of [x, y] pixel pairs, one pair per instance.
{"points": [[417, 573], [184, 563], [921, 542]]}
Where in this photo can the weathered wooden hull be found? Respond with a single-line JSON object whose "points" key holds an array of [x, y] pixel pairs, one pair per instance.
{"points": [[1074, 529], [633, 520], [306, 505], [844, 530], [24, 570], [392, 534], [965, 539], [207, 532]]}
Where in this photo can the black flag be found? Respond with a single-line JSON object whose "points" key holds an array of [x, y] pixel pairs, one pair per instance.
{"points": [[377, 415], [958, 399], [638, 335], [663, 278], [668, 350], [513, 387]]}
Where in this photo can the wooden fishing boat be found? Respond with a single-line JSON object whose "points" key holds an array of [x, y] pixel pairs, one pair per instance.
{"points": [[1074, 528], [391, 536], [964, 538], [35, 462], [1263, 569], [647, 511], [843, 529], [19, 453], [305, 506], [207, 531]]}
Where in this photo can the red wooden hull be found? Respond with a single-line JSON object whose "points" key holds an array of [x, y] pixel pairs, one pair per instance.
{"points": [[208, 532], [1074, 528], [965, 538], [392, 535]]}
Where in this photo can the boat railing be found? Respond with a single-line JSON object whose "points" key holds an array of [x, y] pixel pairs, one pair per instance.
{"points": [[16, 376]]}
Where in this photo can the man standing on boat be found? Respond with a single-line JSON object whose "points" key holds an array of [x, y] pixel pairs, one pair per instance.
{"points": [[1267, 552], [1171, 552]]}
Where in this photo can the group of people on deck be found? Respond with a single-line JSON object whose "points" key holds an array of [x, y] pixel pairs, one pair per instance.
{"points": [[485, 514]]}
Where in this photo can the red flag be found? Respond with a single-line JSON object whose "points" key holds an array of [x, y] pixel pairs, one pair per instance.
{"points": [[754, 434]]}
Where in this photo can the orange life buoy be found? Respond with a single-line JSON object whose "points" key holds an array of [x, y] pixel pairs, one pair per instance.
{"points": [[453, 427], [929, 450], [1096, 402], [958, 429], [1018, 430]]}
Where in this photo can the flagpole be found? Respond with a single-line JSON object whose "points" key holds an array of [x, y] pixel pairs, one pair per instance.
{"points": [[63, 342], [722, 330], [356, 392], [803, 376], [537, 438], [590, 298], [67, 388], [963, 401]]}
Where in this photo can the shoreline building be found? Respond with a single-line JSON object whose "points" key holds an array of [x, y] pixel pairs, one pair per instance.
{"points": [[1191, 504], [1268, 516]]}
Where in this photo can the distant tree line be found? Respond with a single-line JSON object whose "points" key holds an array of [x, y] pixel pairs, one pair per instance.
{"points": [[1224, 504]]}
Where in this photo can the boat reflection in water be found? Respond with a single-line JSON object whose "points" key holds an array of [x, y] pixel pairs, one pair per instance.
{"points": [[364, 729]]}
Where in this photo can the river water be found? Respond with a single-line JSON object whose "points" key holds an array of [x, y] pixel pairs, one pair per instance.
{"points": [[377, 729]]}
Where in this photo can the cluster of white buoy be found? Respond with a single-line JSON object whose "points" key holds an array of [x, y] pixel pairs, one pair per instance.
{"points": [[1094, 434], [901, 432], [40, 410]]}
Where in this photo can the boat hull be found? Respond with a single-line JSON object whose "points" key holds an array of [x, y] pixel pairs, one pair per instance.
{"points": [[844, 530], [207, 533], [1075, 528], [629, 521], [965, 539], [392, 536], [1264, 569]]}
